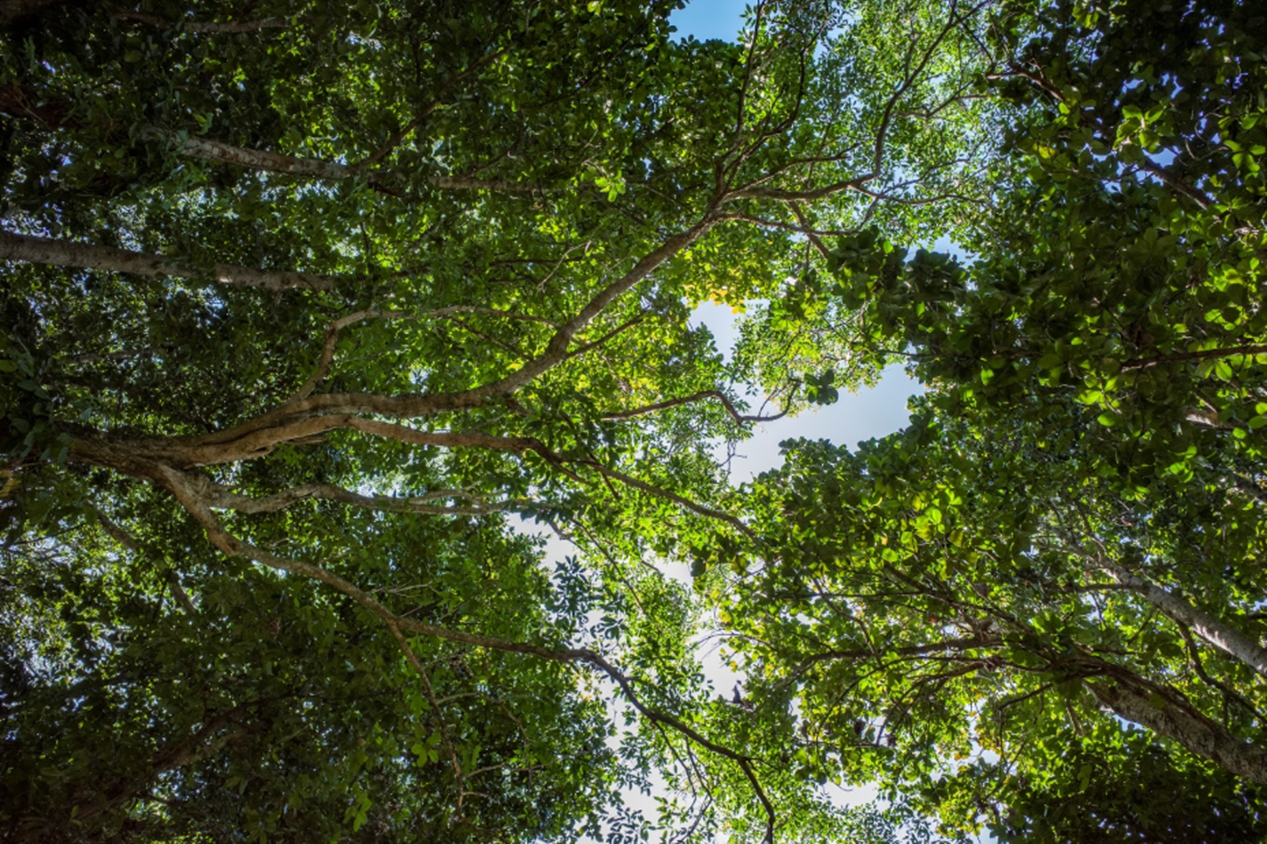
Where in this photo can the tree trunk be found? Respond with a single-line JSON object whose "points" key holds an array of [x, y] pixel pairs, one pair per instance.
{"points": [[1193, 731], [1209, 628], [42, 250]]}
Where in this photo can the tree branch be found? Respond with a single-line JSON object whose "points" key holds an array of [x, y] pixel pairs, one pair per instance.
{"points": [[221, 498], [42, 250], [674, 497], [742, 419], [185, 489]]}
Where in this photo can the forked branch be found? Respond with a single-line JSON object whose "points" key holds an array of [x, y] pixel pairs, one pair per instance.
{"points": [[186, 490]]}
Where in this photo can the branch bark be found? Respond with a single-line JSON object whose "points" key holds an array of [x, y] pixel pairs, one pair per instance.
{"points": [[1211, 629], [60, 253], [1155, 710], [1207, 354], [693, 397], [221, 498]]}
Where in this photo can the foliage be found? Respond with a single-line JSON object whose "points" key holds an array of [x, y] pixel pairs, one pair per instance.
{"points": [[305, 301], [1065, 539], [310, 307], [1112, 785]]}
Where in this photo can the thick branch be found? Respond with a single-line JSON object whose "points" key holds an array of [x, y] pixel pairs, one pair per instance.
{"points": [[1209, 628], [42, 250], [1200, 735]]}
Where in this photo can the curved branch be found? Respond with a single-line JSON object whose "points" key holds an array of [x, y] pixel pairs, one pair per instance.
{"points": [[1194, 656], [674, 497], [185, 488], [417, 405], [332, 333], [908, 651], [221, 498]]}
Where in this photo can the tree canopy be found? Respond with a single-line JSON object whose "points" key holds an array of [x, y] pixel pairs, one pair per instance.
{"points": [[310, 307]]}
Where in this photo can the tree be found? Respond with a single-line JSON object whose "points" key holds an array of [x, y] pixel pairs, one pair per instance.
{"points": [[1066, 536], [302, 302]]}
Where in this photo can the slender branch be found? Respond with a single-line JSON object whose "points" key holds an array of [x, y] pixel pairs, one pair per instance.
{"points": [[129, 542], [1194, 655], [316, 168], [674, 497], [908, 651], [810, 234], [222, 498], [1207, 354], [610, 335], [415, 406], [336, 327], [907, 82], [421, 671], [185, 488], [427, 111], [804, 195], [742, 419]]}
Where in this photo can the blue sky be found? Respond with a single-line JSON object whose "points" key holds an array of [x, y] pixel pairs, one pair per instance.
{"points": [[857, 416], [872, 412], [707, 19]]}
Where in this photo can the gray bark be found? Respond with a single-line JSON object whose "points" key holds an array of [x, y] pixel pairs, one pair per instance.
{"points": [[1211, 629], [1195, 732], [42, 250]]}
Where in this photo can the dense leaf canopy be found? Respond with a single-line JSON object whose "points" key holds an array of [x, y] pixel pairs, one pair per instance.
{"points": [[1068, 535], [310, 308]]}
